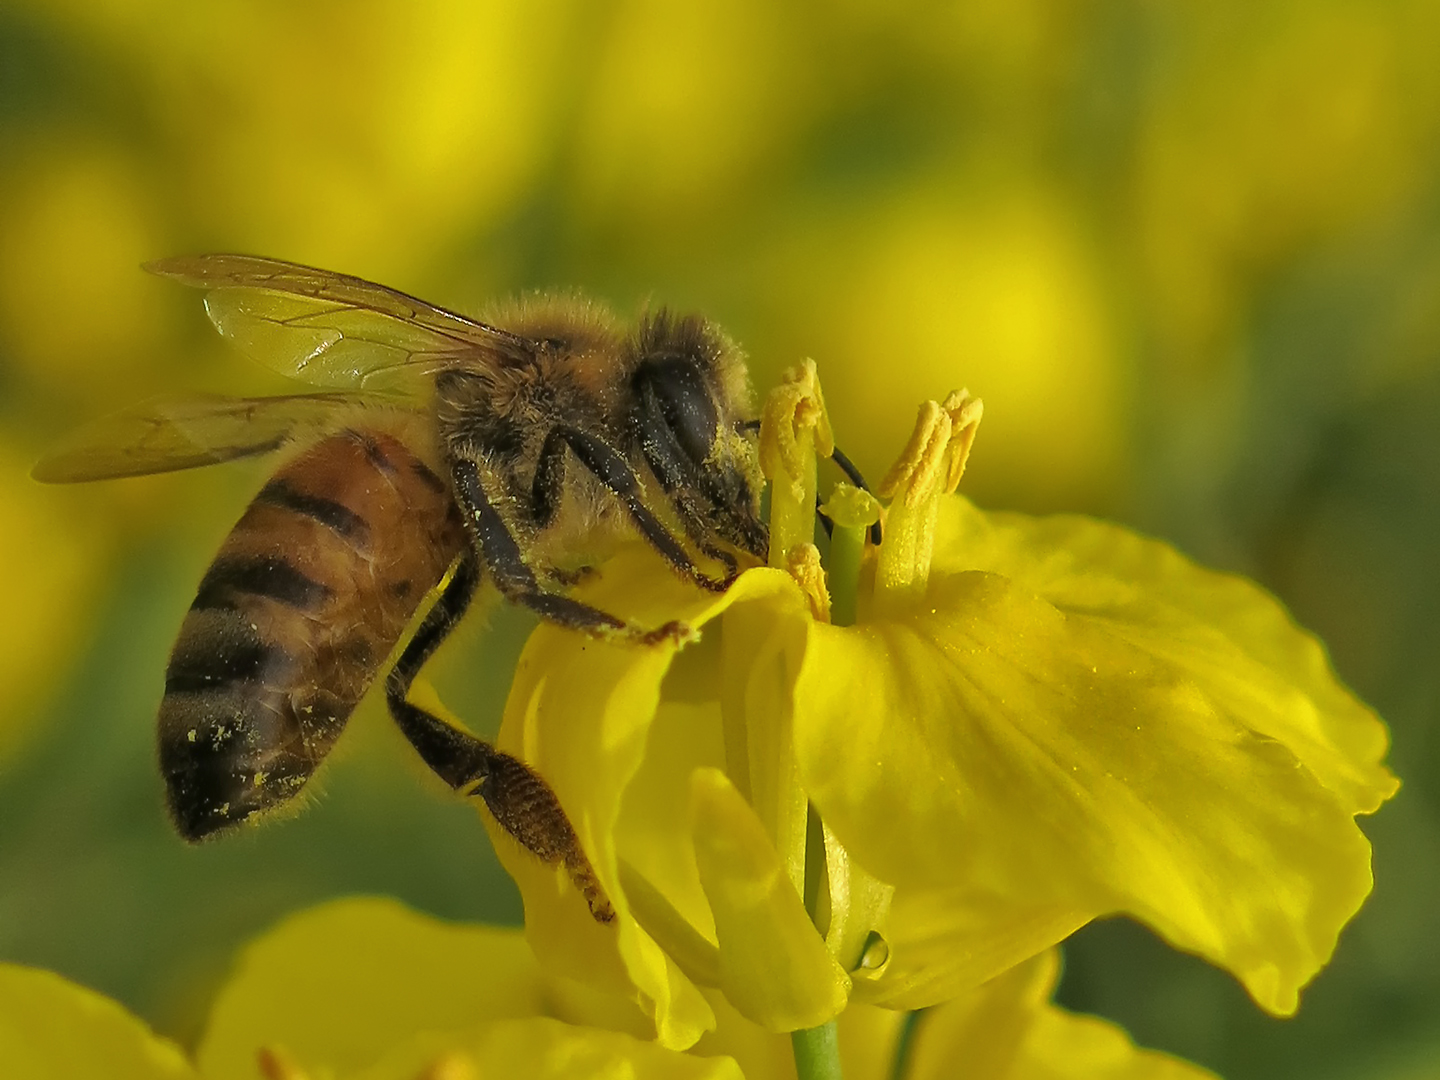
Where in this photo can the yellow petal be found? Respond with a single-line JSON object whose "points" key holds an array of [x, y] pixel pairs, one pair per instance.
{"points": [[990, 742], [652, 835], [762, 1055], [762, 646], [580, 712], [335, 987], [51, 1029], [619, 958], [942, 943], [1224, 632], [1006, 1029], [774, 967], [542, 1049], [867, 1039], [1009, 1030], [726, 703]]}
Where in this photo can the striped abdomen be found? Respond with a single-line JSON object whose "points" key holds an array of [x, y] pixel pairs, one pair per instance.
{"points": [[308, 595]]}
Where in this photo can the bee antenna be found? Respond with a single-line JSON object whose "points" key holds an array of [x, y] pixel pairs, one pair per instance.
{"points": [[848, 468]]}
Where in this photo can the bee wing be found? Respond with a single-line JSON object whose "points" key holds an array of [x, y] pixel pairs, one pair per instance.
{"points": [[169, 433], [335, 330]]}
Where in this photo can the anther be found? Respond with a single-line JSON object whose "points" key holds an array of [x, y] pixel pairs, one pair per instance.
{"points": [[931, 465], [803, 564], [794, 430], [794, 416], [939, 445], [965, 415]]}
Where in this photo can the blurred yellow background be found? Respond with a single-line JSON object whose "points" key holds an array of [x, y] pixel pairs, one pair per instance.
{"points": [[1188, 254]]}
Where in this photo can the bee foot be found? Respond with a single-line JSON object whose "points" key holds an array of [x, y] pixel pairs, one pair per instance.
{"points": [[675, 632], [568, 579]]}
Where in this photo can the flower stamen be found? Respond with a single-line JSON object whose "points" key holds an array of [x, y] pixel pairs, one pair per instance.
{"points": [[965, 415], [803, 564], [913, 474], [931, 464], [794, 428]]}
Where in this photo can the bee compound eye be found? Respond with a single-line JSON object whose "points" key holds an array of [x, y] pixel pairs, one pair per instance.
{"points": [[685, 403]]}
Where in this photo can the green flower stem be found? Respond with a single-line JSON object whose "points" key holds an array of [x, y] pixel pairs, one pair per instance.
{"points": [[847, 546], [905, 1044], [817, 1052]]}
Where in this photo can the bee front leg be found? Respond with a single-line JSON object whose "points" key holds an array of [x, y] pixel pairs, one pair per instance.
{"points": [[611, 469], [690, 486], [517, 582], [519, 799]]}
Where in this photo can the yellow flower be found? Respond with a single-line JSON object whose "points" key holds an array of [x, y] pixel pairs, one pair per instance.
{"points": [[363, 989], [1005, 1029], [1033, 722], [51, 1029]]}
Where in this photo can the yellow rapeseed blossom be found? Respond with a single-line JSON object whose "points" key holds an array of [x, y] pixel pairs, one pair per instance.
{"points": [[364, 989], [1007, 1029], [359, 989], [1033, 722], [51, 1029]]}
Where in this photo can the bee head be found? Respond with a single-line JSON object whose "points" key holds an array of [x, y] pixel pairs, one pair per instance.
{"points": [[692, 396]]}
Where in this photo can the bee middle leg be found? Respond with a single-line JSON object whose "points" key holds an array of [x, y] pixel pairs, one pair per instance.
{"points": [[519, 799]]}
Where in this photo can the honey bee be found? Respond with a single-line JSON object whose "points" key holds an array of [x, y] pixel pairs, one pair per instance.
{"points": [[434, 449]]}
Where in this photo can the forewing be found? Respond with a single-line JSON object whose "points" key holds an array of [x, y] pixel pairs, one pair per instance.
{"points": [[170, 433], [335, 330]]}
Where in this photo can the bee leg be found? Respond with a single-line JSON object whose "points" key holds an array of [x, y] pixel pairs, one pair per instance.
{"points": [[517, 582], [681, 476], [568, 579], [519, 799], [612, 470]]}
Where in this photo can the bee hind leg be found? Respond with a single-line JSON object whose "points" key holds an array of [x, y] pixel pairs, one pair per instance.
{"points": [[518, 798]]}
